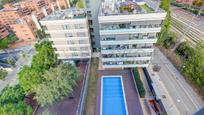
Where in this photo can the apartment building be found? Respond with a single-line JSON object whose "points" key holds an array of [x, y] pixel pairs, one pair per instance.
{"points": [[25, 29], [128, 31], [33, 5], [3, 31], [69, 31]]}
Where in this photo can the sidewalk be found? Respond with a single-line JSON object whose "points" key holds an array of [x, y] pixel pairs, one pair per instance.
{"points": [[162, 93]]}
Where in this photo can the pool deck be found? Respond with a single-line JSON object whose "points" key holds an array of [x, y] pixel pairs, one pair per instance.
{"points": [[132, 97]]}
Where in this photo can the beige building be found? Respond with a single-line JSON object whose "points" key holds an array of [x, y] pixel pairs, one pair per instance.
{"points": [[3, 31], [69, 31]]}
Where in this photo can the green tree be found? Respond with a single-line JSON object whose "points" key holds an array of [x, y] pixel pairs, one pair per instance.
{"points": [[165, 5], [58, 84], [11, 101], [193, 66], [29, 78], [3, 74], [41, 34], [45, 58]]}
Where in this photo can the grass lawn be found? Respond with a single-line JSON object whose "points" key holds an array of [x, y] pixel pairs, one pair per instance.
{"points": [[92, 88], [146, 8]]}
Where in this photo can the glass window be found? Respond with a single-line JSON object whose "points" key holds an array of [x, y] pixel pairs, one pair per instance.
{"points": [[68, 35], [81, 34], [65, 27]]}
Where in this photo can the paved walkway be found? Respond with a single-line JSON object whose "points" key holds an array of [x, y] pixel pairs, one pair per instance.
{"points": [[132, 96]]}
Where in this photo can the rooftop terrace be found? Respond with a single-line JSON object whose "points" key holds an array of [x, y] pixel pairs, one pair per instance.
{"points": [[128, 7], [66, 14]]}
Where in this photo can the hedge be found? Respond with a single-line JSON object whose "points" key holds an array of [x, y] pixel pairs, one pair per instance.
{"points": [[139, 83]]}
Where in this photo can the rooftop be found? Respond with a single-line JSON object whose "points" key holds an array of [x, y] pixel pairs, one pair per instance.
{"points": [[128, 7], [71, 13]]}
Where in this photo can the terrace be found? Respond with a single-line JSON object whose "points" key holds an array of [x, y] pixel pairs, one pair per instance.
{"points": [[66, 14], [129, 7]]}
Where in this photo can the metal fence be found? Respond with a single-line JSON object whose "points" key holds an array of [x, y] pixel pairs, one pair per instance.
{"points": [[82, 101]]}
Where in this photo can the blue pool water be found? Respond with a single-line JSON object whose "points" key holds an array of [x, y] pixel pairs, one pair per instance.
{"points": [[113, 102]]}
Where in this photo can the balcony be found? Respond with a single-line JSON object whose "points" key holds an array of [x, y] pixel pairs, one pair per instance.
{"points": [[131, 40], [126, 49]]}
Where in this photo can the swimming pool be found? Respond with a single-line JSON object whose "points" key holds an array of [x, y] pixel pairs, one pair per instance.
{"points": [[113, 100]]}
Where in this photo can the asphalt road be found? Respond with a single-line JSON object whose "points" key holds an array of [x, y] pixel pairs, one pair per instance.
{"points": [[184, 97]]}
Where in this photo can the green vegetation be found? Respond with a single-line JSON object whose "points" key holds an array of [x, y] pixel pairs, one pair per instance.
{"points": [[11, 101], [31, 77], [92, 88], [3, 74], [170, 40], [126, 8], [49, 81], [41, 34], [59, 82], [139, 83], [5, 42], [80, 4], [193, 66], [194, 9], [146, 8], [165, 5]]}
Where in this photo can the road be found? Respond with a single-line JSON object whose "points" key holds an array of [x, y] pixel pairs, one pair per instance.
{"points": [[188, 23], [12, 77], [184, 97]]}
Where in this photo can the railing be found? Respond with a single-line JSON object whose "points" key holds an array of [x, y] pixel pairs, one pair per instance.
{"points": [[81, 105]]}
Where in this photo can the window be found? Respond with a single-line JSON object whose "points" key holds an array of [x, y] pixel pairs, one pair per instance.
{"points": [[84, 48], [70, 42], [82, 41], [79, 26], [74, 54], [68, 35], [81, 34], [65, 27]]}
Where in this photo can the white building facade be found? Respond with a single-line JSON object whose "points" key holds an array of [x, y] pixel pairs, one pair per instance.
{"points": [[69, 31], [128, 31]]}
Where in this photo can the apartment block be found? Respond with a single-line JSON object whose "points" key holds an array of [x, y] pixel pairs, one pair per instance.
{"points": [[3, 31], [25, 29], [128, 30], [33, 5], [69, 31]]}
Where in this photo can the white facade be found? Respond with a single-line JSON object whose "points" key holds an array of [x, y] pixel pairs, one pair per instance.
{"points": [[69, 31], [127, 38]]}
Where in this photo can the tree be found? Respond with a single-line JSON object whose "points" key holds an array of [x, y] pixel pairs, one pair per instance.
{"points": [[45, 58], [193, 66], [30, 77], [58, 84], [11, 101], [165, 5], [41, 34], [3, 74]]}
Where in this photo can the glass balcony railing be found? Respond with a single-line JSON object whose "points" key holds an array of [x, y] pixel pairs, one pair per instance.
{"points": [[126, 48]]}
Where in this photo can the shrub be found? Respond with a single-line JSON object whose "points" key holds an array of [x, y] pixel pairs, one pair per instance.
{"points": [[139, 83]]}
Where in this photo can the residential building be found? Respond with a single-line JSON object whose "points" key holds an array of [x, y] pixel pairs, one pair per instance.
{"points": [[64, 4], [3, 31], [33, 5], [69, 31], [25, 29], [128, 31]]}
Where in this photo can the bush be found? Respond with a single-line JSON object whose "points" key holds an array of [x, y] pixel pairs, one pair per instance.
{"points": [[184, 50], [139, 83]]}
